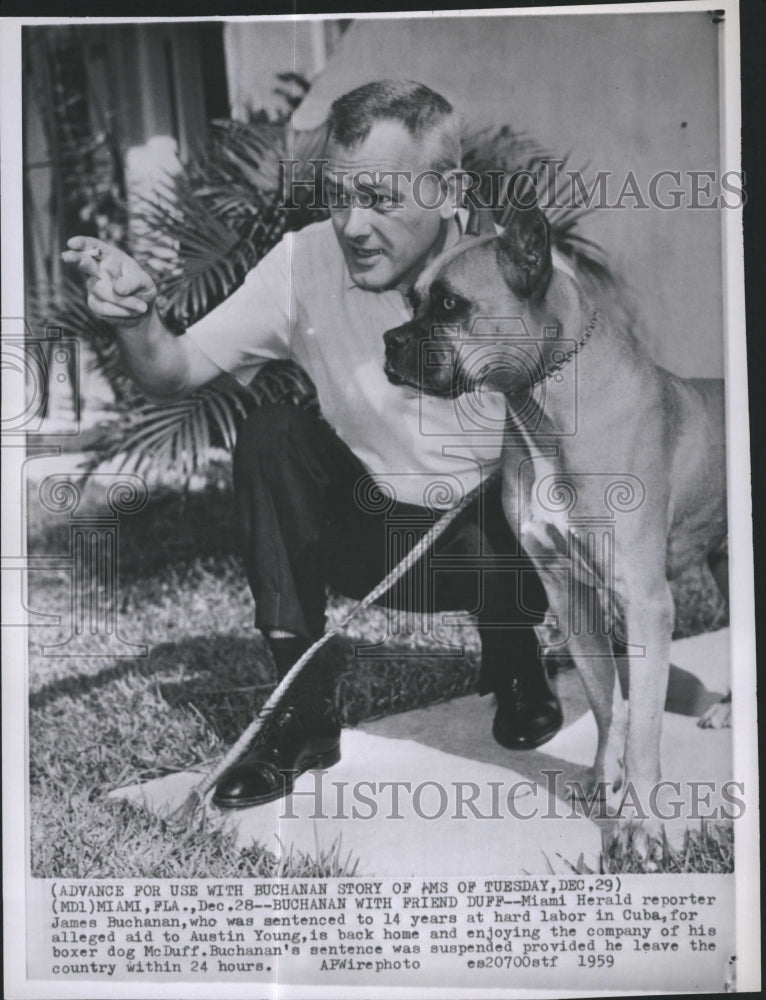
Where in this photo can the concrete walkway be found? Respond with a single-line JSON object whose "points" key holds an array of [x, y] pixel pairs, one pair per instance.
{"points": [[462, 799]]}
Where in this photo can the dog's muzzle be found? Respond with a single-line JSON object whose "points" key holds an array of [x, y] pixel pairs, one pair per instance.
{"points": [[392, 375], [411, 360], [401, 365]]}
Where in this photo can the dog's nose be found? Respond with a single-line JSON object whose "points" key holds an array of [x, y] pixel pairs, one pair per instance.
{"points": [[395, 338]]}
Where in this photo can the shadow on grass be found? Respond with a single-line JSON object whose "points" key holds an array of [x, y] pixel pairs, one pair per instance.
{"points": [[226, 679], [174, 529], [364, 688], [206, 663]]}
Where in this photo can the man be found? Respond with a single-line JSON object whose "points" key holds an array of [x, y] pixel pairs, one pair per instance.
{"points": [[309, 510]]}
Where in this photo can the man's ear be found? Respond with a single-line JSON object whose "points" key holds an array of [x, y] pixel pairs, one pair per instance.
{"points": [[449, 204], [524, 249]]}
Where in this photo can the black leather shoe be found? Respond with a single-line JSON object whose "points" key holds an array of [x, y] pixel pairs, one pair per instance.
{"points": [[528, 713], [294, 740]]}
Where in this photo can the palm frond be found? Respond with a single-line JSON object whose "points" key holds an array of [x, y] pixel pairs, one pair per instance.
{"points": [[221, 215], [169, 435], [251, 152], [206, 248], [181, 434], [515, 155]]}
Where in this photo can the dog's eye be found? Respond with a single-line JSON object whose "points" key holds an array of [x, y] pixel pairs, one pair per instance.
{"points": [[448, 304]]}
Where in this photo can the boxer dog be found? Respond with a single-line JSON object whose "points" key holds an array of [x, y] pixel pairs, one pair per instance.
{"points": [[613, 468]]}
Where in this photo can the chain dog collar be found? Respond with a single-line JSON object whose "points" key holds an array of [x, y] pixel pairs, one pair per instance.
{"points": [[566, 358]]}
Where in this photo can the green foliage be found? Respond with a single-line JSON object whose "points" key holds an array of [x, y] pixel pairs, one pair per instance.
{"points": [[221, 215], [709, 849]]}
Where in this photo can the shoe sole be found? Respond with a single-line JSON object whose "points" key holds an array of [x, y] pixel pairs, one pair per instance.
{"points": [[317, 762], [545, 737]]}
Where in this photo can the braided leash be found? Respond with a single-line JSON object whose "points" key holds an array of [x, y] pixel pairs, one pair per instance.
{"points": [[183, 813]]}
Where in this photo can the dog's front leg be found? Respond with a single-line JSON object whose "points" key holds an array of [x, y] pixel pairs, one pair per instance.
{"points": [[591, 651], [649, 620], [595, 662]]}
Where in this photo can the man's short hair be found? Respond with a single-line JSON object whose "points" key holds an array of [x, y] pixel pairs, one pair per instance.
{"points": [[422, 112]]}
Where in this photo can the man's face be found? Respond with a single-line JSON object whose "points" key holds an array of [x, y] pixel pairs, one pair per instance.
{"points": [[378, 193]]}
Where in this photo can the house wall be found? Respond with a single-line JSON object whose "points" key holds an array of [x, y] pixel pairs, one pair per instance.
{"points": [[158, 84], [620, 93], [256, 52]]}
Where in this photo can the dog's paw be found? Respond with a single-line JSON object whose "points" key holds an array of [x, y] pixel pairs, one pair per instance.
{"points": [[718, 716], [637, 841], [601, 785]]}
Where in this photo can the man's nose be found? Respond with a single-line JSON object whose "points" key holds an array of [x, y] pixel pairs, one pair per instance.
{"points": [[357, 223]]}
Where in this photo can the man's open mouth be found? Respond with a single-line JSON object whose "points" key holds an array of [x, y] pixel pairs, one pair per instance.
{"points": [[365, 254]]}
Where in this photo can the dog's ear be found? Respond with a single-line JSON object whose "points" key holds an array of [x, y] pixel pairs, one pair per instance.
{"points": [[524, 249]]}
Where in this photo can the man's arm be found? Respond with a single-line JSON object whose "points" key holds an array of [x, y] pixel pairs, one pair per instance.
{"points": [[122, 294]]}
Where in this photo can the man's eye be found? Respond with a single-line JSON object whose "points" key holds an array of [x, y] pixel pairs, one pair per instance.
{"points": [[385, 202], [337, 198], [448, 304]]}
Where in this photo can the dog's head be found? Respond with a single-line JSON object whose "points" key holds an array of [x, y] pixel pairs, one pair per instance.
{"points": [[470, 304]]}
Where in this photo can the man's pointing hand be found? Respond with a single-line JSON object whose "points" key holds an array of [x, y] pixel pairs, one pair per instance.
{"points": [[119, 291]]}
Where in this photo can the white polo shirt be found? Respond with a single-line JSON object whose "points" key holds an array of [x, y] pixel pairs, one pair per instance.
{"points": [[299, 303]]}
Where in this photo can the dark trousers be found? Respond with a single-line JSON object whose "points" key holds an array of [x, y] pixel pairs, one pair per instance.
{"points": [[310, 516]]}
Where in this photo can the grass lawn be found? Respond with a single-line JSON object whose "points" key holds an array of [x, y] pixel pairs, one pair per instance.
{"points": [[97, 723]]}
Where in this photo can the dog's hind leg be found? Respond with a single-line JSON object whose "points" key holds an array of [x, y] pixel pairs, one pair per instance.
{"points": [[718, 716], [718, 561], [596, 666]]}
